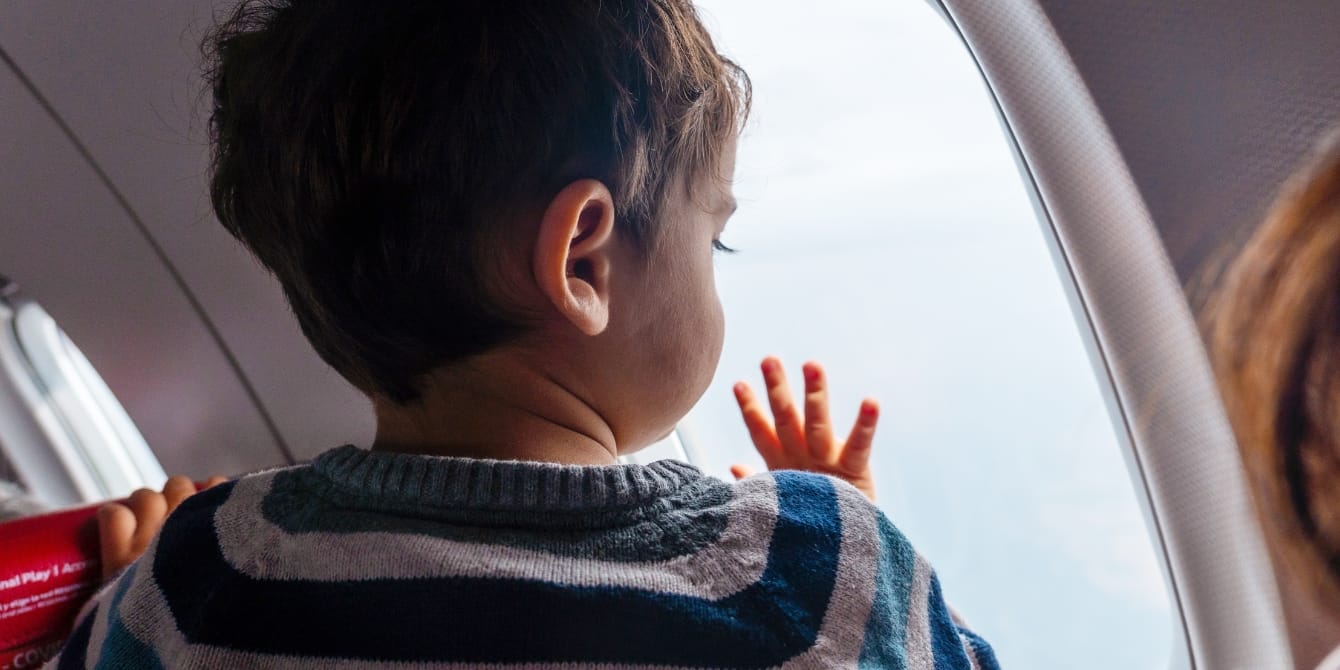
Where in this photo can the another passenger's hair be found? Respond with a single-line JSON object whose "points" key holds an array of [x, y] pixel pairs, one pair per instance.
{"points": [[376, 154], [1274, 336]]}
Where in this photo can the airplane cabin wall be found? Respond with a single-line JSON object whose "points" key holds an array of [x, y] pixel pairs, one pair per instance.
{"points": [[68, 244], [1213, 105], [125, 78]]}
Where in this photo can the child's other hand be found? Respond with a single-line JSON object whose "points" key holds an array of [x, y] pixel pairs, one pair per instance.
{"points": [[789, 443], [125, 527]]}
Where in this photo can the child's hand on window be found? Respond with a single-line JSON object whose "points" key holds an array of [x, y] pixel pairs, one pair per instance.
{"points": [[125, 527], [788, 442]]}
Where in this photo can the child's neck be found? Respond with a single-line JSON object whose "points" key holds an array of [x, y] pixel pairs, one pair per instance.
{"points": [[497, 407]]}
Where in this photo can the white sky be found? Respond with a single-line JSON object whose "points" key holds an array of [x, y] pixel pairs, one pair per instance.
{"points": [[885, 231]]}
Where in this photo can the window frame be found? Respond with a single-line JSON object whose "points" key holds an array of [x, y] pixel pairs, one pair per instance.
{"points": [[1143, 338], [1180, 653], [62, 431]]}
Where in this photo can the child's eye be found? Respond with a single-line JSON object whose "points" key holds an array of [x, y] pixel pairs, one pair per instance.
{"points": [[718, 246]]}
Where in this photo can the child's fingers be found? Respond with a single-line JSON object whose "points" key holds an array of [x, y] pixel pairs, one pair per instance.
{"points": [[213, 481], [818, 428], [116, 526], [741, 471], [177, 489], [150, 508], [856, 454], [785, 418], [756, 420]]}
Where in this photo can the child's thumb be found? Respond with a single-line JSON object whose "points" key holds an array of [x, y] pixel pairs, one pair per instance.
{"points": [[741, 471]]}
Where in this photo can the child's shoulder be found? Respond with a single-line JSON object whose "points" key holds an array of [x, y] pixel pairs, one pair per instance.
{"points": [[809, 497], [821, 510], [207, 501], [196, 519]]}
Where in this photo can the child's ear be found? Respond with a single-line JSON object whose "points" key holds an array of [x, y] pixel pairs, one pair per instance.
{"points": [[573, 253]]}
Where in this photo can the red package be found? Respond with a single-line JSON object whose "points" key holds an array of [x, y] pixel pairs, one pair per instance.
{"points": [[49, 567]]}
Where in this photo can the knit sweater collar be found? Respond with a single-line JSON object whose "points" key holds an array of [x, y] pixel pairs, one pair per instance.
{"points": [[483, 484]]}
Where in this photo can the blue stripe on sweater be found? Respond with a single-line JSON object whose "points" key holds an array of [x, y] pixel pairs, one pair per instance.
{"points": [[886, 629], [946, 645], [121, 649], [509, 620], [981, 649], [74, 655]]}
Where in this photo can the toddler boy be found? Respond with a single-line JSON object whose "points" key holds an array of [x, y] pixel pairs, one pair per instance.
{"points": [[497, 220]]}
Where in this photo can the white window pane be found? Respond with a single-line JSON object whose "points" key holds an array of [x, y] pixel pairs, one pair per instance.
{"points": [[99, 449], [885, 231]]}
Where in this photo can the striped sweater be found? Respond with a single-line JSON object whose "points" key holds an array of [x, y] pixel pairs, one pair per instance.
{"points": [[371, 559]]}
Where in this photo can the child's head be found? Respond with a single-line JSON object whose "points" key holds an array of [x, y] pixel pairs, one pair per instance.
{"points": [[433, 181]]}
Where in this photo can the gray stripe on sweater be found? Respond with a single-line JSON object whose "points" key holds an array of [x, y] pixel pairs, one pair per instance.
{"points": [[920, 653], [263, 550], [98, 633]]}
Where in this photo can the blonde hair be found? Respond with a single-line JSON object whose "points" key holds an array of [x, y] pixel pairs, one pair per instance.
{"points": [[1273, 332]]}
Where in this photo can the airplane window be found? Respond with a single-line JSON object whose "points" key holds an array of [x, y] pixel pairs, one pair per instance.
{"points": [[98, 447], [884, 230]]}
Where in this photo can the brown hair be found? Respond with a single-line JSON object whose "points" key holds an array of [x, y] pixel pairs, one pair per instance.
{"points": [[1273, 331], [375, 155]]}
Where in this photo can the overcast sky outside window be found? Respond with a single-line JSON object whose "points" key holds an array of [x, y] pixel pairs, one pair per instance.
{"points": [[885, 231]]}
